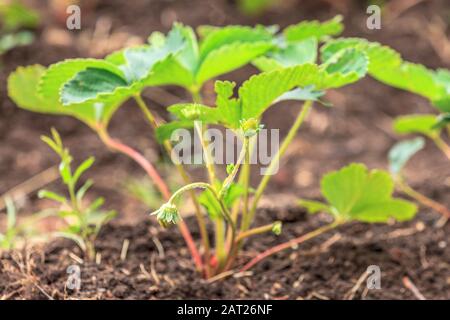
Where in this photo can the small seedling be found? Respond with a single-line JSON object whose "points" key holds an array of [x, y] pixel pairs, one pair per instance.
{"points": [[16, 233], [83, 219], [8, 238], [399, 156], [353, 194]]}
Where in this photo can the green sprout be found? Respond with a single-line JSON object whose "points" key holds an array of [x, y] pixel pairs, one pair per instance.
{"points": [[17, 233], [84, 219]]}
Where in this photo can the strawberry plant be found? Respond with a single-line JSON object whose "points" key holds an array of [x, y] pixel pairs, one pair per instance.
{"points": [[227, 201], [92, 90], [83, 220]]}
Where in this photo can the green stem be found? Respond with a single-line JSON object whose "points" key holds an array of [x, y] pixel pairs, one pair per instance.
{"points": [[146, 111], [196, 95], [275, 162], [421, 198], [181, 170], [221, 255], [255, 231], [444, 147], [229, 180], [208, 160], [246, 181], [290, 244]]}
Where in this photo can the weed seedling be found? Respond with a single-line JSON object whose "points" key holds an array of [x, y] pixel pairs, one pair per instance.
{"points": [[83, 219], [16, 233]]}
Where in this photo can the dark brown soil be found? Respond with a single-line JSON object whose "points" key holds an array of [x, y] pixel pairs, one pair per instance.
{"points": [[357, 129], [325, 268]]}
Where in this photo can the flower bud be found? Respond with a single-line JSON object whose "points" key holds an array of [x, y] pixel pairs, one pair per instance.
{"points": [[167, 214], [250, 127], [276, 228]]}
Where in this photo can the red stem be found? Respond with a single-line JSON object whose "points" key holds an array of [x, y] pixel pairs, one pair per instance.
{"points": [[289, 244], [160, 184]]}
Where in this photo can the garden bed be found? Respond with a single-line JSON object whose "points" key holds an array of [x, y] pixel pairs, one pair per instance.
{"points": [[157, 265], [328, 267]]}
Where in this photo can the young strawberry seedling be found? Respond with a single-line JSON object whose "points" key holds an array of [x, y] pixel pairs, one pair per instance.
{"points": [[84, 220], [92, 90], [243, 115]]}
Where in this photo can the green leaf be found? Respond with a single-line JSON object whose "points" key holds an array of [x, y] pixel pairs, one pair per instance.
{"points": [[219, 37], [316, 29], [11, 214], [94, 206], [233, 193], [15, 15], [65, 172], [211, 205], [345, 67], [165, 131], [88, 84], [259, 92], [314, 206], [82, 191], [442, 121], [387, 66], [48, 87], [288, 55], [85, 165], [228, 108], [10, 41], [423, 124], [402, 152], [72, 236], [100, 218], [379, 56], [354, 193], [22, 89], [138, 62], [194, 112], [254, 7], [230, 57], [302, 94], [170, 72], [52, 196]]}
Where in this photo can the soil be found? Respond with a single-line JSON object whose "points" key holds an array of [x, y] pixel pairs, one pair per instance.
{"points": [[157, 266], [356, 129]]}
